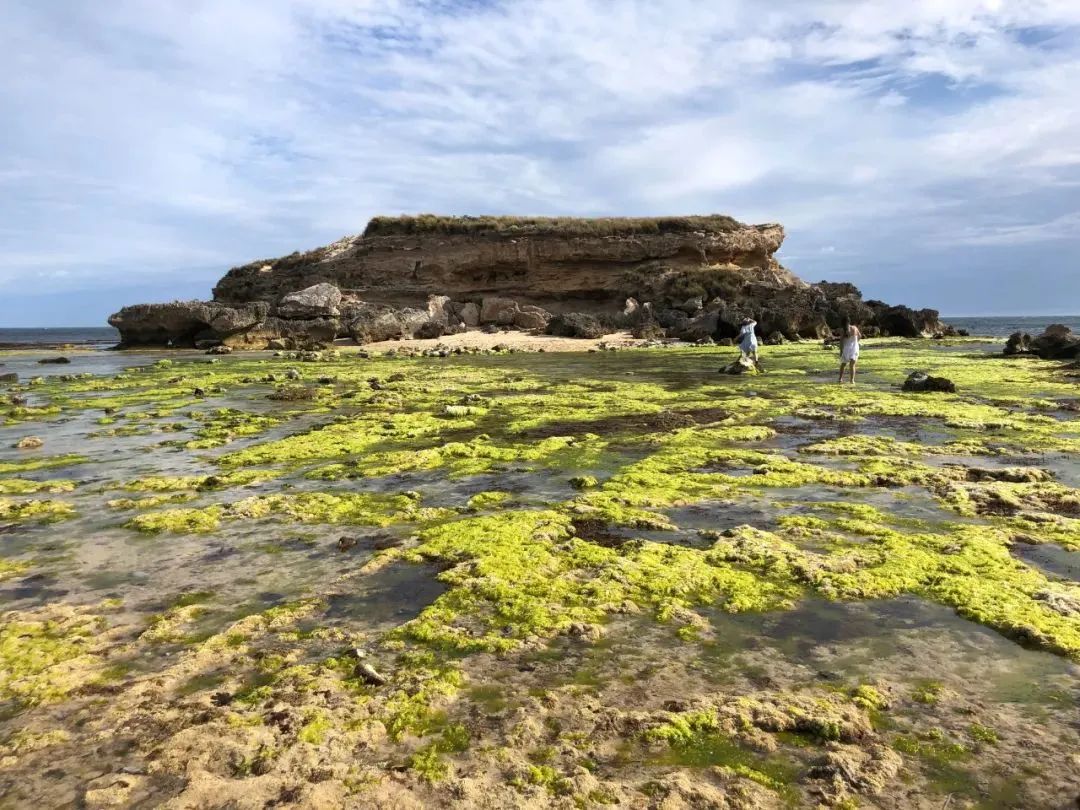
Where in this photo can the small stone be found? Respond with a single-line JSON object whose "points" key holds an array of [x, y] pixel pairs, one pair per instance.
{"points": [[366, 672], [29, 443], [346, 543]]}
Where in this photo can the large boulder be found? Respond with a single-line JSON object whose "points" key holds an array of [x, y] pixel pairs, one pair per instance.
{"points": [[181, 323], [1018, 343], [920, 382], [1058, 342], [577, 325], [414, 320], [470, 314], [501, 311], [530, 317], [741, 365], [371, 323], [317, 301], [440, 310]]}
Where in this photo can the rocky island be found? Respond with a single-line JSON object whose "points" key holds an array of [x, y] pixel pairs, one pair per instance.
{"points": [[691, 278]]}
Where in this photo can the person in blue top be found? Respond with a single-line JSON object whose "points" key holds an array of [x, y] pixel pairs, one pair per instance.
{"points": [[748, 344]]}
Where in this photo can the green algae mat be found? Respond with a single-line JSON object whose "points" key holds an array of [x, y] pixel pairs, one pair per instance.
{"points": [[574, 580]]}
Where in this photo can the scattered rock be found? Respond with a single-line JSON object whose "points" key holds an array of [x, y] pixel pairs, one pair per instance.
{"points": [[583, 482], [586, 631], [220, 349], [10, 377], [347, 543], [850, 768], [60, 361], [29, 443], [367, 673], [921, 382], [292, 393]]}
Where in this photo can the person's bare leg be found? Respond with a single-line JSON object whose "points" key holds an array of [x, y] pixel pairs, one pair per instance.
{"points": [[853, 362], [843, 365]]}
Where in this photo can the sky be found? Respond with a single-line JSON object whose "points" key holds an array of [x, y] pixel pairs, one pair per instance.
{"points": [[927, 150]]}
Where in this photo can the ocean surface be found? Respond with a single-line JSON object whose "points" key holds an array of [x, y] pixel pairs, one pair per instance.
{"points": [[105, 336], [89, 336], [1005, 325]]}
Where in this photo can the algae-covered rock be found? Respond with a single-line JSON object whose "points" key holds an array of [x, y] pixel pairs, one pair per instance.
{"points": [[921, 382], [741, 365]]}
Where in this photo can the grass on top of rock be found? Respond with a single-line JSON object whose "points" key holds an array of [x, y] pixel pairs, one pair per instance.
{"points": [[555, 226]]}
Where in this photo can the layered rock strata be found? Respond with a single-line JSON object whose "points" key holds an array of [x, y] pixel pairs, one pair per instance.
{"points": [[686, 277]]}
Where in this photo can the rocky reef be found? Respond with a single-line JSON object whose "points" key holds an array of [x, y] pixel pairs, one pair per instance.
{"points": [[1057, 342], [358, 579], [691, 278]]}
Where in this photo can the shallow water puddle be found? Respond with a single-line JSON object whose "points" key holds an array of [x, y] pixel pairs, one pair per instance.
{"points": [[388, 597], [1051, 558]]}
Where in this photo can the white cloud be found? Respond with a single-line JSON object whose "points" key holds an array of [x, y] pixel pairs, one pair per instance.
{"points": [[144, 137], [1063, 227]]}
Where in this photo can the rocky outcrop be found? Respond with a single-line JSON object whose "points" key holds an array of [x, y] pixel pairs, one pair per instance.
{"points": [[558, 264], [186, 323], [1058, 342], [694, 278]]}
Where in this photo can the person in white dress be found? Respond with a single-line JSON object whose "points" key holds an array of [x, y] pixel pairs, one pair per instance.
{"points": [[849, 350], [748, 344]]}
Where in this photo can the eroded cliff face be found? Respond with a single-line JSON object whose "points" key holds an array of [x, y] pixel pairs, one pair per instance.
{"points": [[562, 265], [693, 278]]}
